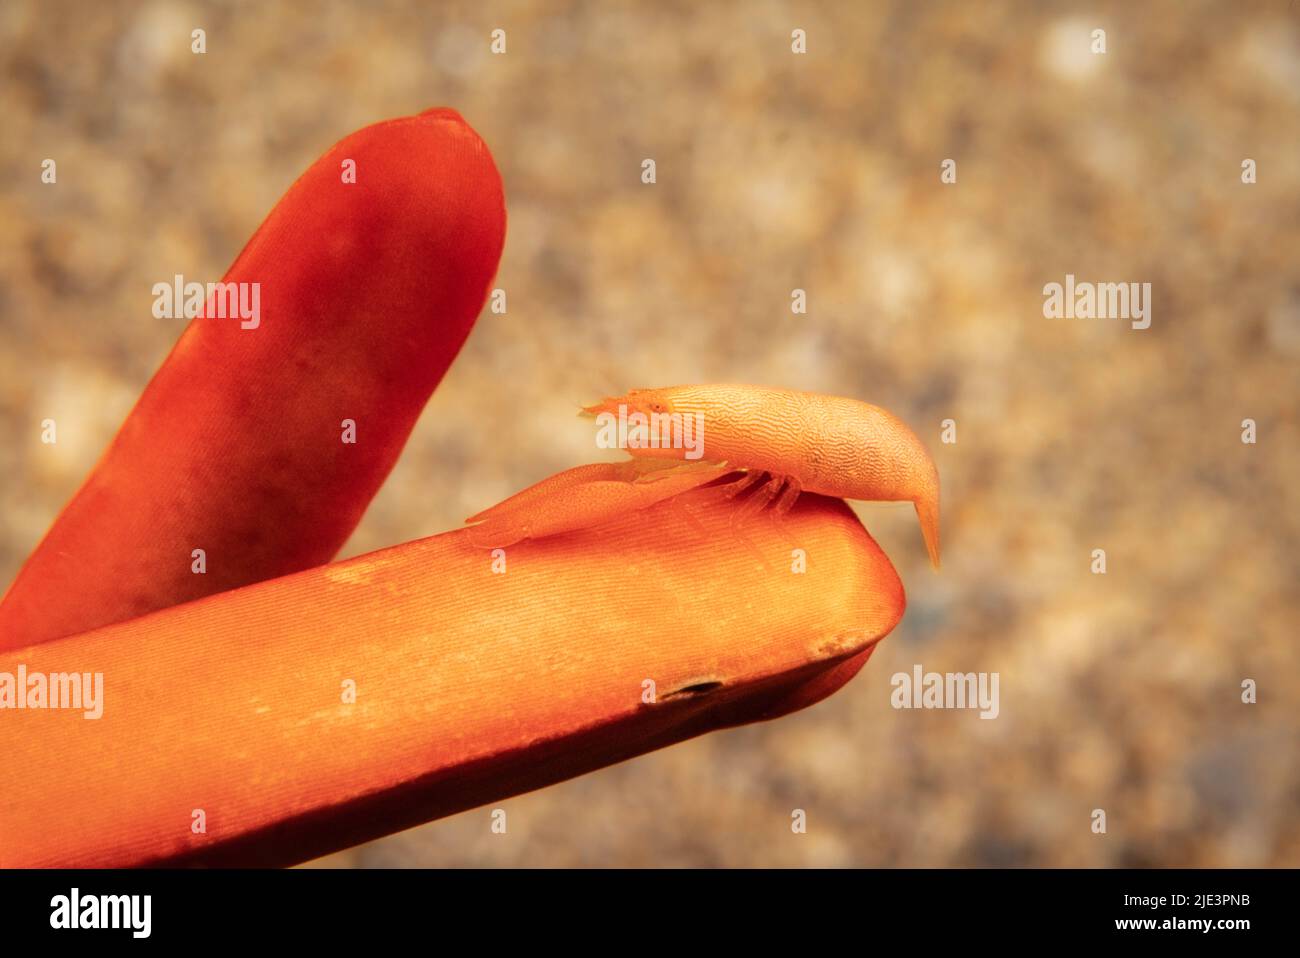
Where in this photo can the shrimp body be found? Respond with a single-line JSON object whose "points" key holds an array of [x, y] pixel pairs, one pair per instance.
{"points": [[785, 441]]}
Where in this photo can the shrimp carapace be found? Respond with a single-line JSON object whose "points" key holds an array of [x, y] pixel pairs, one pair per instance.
{"points": [[785, 440]]}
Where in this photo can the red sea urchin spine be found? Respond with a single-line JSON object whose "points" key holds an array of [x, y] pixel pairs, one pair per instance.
{"points": [[372, 269]]}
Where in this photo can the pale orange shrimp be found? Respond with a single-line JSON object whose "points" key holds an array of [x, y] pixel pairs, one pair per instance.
{"points": [[783, 441]]}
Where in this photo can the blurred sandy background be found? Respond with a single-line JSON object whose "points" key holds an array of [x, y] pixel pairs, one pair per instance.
{"points": [[778, 171]]}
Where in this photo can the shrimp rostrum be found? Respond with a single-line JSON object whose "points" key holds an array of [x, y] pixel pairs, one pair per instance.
{"points": [[771, 443]]}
